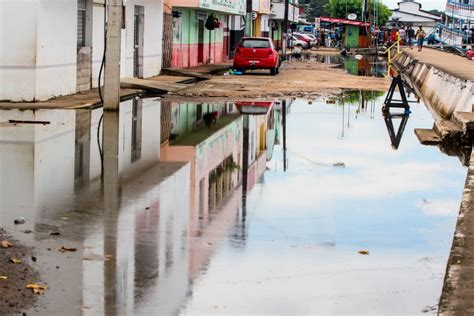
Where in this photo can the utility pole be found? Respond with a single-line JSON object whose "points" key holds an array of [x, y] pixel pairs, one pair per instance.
{"points": [[112, 56], [249, 22], [285, 29]]}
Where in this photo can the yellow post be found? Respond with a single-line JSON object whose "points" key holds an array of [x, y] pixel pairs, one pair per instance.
{"points": [[398, 43]]}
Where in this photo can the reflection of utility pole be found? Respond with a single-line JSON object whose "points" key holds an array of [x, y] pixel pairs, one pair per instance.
{"points": [[111, 194], [284, 134], [245, 165], [112, 56], [284, 39]]}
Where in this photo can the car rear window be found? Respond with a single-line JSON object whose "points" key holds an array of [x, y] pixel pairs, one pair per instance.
{"points": [[255, 43]]}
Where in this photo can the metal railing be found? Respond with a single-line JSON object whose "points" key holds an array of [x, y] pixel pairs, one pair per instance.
{"points": [[388, 51]]}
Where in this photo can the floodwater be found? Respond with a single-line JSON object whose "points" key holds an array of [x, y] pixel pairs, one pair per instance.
{"points": [[365, 66], [169, 228]]}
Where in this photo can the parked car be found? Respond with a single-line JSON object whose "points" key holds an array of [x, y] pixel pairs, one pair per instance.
{"points": [[307, 38], [294, 42], [256, 53]]}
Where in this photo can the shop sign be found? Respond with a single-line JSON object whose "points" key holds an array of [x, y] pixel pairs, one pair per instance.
{"points": [[224, 6]]}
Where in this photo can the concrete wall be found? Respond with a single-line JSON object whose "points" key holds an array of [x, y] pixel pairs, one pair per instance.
{"points": [[38, 51], [186, 43], [39, 55], [445, 93]]}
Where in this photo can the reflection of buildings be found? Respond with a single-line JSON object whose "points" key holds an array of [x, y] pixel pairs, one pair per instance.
{"points": [[53, 171], [167, 198]]}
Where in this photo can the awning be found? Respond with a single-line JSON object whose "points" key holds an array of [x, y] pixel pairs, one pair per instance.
{"points": [[254, 108], [344, 21]]}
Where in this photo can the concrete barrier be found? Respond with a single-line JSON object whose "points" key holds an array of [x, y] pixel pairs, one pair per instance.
{"points": [[443, 92]]}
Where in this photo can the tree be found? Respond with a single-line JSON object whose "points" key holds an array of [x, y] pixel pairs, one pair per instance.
{"points": [[317, 8], [384, 14], [342, 8]]}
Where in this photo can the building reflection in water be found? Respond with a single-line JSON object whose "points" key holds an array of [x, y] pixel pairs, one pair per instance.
{"points": [[171, 191]]}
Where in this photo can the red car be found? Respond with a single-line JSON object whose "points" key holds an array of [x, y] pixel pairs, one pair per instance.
{"points": [[256, 53]]}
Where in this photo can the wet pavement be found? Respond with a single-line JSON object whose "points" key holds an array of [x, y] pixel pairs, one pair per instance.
{"points": [[169, 229]]}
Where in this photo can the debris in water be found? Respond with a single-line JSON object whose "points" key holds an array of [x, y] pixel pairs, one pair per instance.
{"points": [[339, 165], [19, 220], [28, 122], [428, 309], [6, 244], [67, 249], [2, 277], [96, 257], [37, 289], [33, 258], [26, 231], [426, 201], [364, 252], [15, 260], [54, 233]]}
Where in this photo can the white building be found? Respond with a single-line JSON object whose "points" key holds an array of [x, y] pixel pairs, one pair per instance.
{"points": [[54, 48], [410, 13]]}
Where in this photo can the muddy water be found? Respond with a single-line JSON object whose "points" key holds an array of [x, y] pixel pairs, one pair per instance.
{"points": [[168, 230], [365, 66]]}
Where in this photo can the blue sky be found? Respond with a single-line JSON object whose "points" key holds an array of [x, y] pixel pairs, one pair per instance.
{"points": [[426, 4]]}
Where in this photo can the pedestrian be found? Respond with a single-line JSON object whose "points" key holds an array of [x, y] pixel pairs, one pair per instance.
{"points": [[420, 37], [402, 35], [410, 36]]}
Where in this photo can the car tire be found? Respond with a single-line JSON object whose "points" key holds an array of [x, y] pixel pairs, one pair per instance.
{"points": [[273, 71]]}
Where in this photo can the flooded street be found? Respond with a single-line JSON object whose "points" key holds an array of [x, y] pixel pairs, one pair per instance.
{"points": [[170, 228]]}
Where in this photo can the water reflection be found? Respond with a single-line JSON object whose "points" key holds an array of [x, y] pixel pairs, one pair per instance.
{"points": [[181, 202], [367, 66]]}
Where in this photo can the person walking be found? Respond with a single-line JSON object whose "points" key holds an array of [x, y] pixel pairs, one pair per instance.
{"points": [[410, 36], [403, 35], [420, 37]]}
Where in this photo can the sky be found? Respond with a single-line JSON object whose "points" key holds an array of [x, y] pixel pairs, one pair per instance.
{"points": [[425, 4]]}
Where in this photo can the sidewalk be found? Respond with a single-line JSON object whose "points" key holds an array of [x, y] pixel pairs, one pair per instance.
{"points": [[91, 99], [452, 64], [203, 72]]}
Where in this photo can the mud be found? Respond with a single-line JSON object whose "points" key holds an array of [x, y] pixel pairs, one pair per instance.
{"points": [[300, 79], [14, 296]]}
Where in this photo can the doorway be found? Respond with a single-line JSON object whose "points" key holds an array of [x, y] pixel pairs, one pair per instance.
{"points": [[138, 40], [201, 42]]}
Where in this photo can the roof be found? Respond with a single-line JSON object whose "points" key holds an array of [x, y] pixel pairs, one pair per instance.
{"points": [[344, 21]]}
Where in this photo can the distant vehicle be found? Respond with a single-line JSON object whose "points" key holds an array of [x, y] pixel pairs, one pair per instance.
{"points": [[294, 42], [305, 28], [313, 39], [303, 37], [257, 53]]}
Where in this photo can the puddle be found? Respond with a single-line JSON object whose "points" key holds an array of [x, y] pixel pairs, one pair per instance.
{"points": [[168, 228], [366, 65]]}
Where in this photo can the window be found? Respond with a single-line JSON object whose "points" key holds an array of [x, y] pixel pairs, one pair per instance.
{"points": [[81, 23], [254, 43]]}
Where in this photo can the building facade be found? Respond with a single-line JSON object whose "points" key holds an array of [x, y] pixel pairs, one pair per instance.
{"points": [[277, 16], [458, 27], [196, 44], [410, 13], [58, 46]]}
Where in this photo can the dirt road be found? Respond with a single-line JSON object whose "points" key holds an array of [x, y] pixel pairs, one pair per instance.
{"points": [[302, 79]]}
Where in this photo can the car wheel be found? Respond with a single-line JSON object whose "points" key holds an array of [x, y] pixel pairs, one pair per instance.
{"points": [[277, 70], [273, 71]]}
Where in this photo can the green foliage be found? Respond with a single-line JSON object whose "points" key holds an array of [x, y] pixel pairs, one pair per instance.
{"points": [[384, 14], [317, 8], [342, 8]]}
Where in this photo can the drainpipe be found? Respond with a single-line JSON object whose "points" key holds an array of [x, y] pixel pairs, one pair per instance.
{"points": [[112, 56]]}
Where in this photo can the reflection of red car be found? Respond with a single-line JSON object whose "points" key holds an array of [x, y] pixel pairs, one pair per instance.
{"points": [[256, 53]]}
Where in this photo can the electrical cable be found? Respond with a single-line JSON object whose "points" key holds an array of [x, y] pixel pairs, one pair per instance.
{"points": [[102, 64]]}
